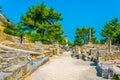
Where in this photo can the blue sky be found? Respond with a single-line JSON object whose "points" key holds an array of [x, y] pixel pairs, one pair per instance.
{"points": [[76, 13]]}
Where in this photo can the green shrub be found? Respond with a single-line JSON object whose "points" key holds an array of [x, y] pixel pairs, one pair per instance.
{"points": [[11, 32], [8, 31], [115, 76]]}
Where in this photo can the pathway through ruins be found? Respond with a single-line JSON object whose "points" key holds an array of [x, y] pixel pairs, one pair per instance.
{"points": [[65, 68]]}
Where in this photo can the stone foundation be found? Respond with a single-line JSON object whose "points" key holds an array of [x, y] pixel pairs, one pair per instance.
{"points": [[15, 67]]}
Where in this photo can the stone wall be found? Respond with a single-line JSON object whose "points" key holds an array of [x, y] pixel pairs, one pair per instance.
{"points": [[17, 71], [15, 65]]}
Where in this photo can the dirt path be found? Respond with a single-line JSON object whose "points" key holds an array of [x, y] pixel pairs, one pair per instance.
{"points": [[65, 68]]}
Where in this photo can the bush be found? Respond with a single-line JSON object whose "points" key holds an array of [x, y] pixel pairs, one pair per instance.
{"points": [[8, 31], [115, 77], [11, 32]]}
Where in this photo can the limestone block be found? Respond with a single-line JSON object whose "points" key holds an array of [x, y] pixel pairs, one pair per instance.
{"points": [[84, 50], [93, 51], [17, 74], [101, 52], [5, 76], [1, 68], [4, 64], [79, 50], [105, 70], [12, 60], [0, 59], [26, 68], [16, 70], [23, 59]]}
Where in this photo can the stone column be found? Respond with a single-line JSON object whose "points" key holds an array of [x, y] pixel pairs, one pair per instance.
{"points": [[57, 48], [109, 45], [89, 37], [79, 51], [58, 51], [66, 39]]}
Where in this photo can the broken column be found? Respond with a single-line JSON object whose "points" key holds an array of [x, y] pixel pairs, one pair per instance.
{"points": [[79, 51], [109, 45], [66, 39], [89, 37], [57, 48]]}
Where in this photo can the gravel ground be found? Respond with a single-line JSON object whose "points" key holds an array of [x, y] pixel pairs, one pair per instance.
{"points": [[65, 68]]}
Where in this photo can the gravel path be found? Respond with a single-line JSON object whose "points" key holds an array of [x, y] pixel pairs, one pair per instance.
{"points": [[65, 68]]}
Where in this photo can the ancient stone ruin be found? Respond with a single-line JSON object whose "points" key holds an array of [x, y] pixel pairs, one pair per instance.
{"points": [[105, 56], [17, 62]]}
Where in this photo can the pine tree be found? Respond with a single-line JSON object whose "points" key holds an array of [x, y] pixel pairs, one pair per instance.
{"points": [[111, 31], [44, 21], [82, 36]]}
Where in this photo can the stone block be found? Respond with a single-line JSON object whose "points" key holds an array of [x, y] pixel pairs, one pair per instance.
{"points": [[93, 52], [5, 65], [5, 76], [101, 52], [105, 70]]}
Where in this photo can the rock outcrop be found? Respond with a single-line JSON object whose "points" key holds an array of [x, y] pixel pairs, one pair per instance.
{"points": [[3, 20]]}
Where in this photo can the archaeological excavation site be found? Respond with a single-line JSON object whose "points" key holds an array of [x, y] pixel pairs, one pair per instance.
{"points": [[59, 40]]}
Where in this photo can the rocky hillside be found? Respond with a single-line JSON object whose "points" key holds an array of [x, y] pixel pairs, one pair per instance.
{"points": [[3, 20], [5, 38]]}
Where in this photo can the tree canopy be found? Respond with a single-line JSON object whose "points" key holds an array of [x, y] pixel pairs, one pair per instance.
{"points": [[82, 36], [44, 22], [111, 31]]}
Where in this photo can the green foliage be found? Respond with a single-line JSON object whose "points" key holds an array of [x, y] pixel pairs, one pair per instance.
{"points": [[45, 22], [94, 40], [102, 41], [78, 42], [33, 37], [70, 43], [62, 41], [115, 76], [82, 36], [116, 38], [10, 29], [111, 31]]}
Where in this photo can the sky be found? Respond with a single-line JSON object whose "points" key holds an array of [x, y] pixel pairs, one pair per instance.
{"points": [[75, 13]]}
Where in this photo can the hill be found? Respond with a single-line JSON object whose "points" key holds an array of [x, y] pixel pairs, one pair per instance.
{"points": [[3, 20]]}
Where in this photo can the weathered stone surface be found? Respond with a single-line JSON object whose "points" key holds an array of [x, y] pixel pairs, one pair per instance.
{"points": [[3, 76], [16, 71], [101, 52], [15, 62], [3, 20], [105, 70]]}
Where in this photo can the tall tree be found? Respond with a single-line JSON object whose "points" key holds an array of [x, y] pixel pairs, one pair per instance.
{"points": [[110, 30], [82, 36], [44, 21], [116, 38]]}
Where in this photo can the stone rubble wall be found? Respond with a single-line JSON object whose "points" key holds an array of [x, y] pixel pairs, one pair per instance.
{"points": [[14, 63], [15, 72], [3, 20], [107, 63], [106, 70]]}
